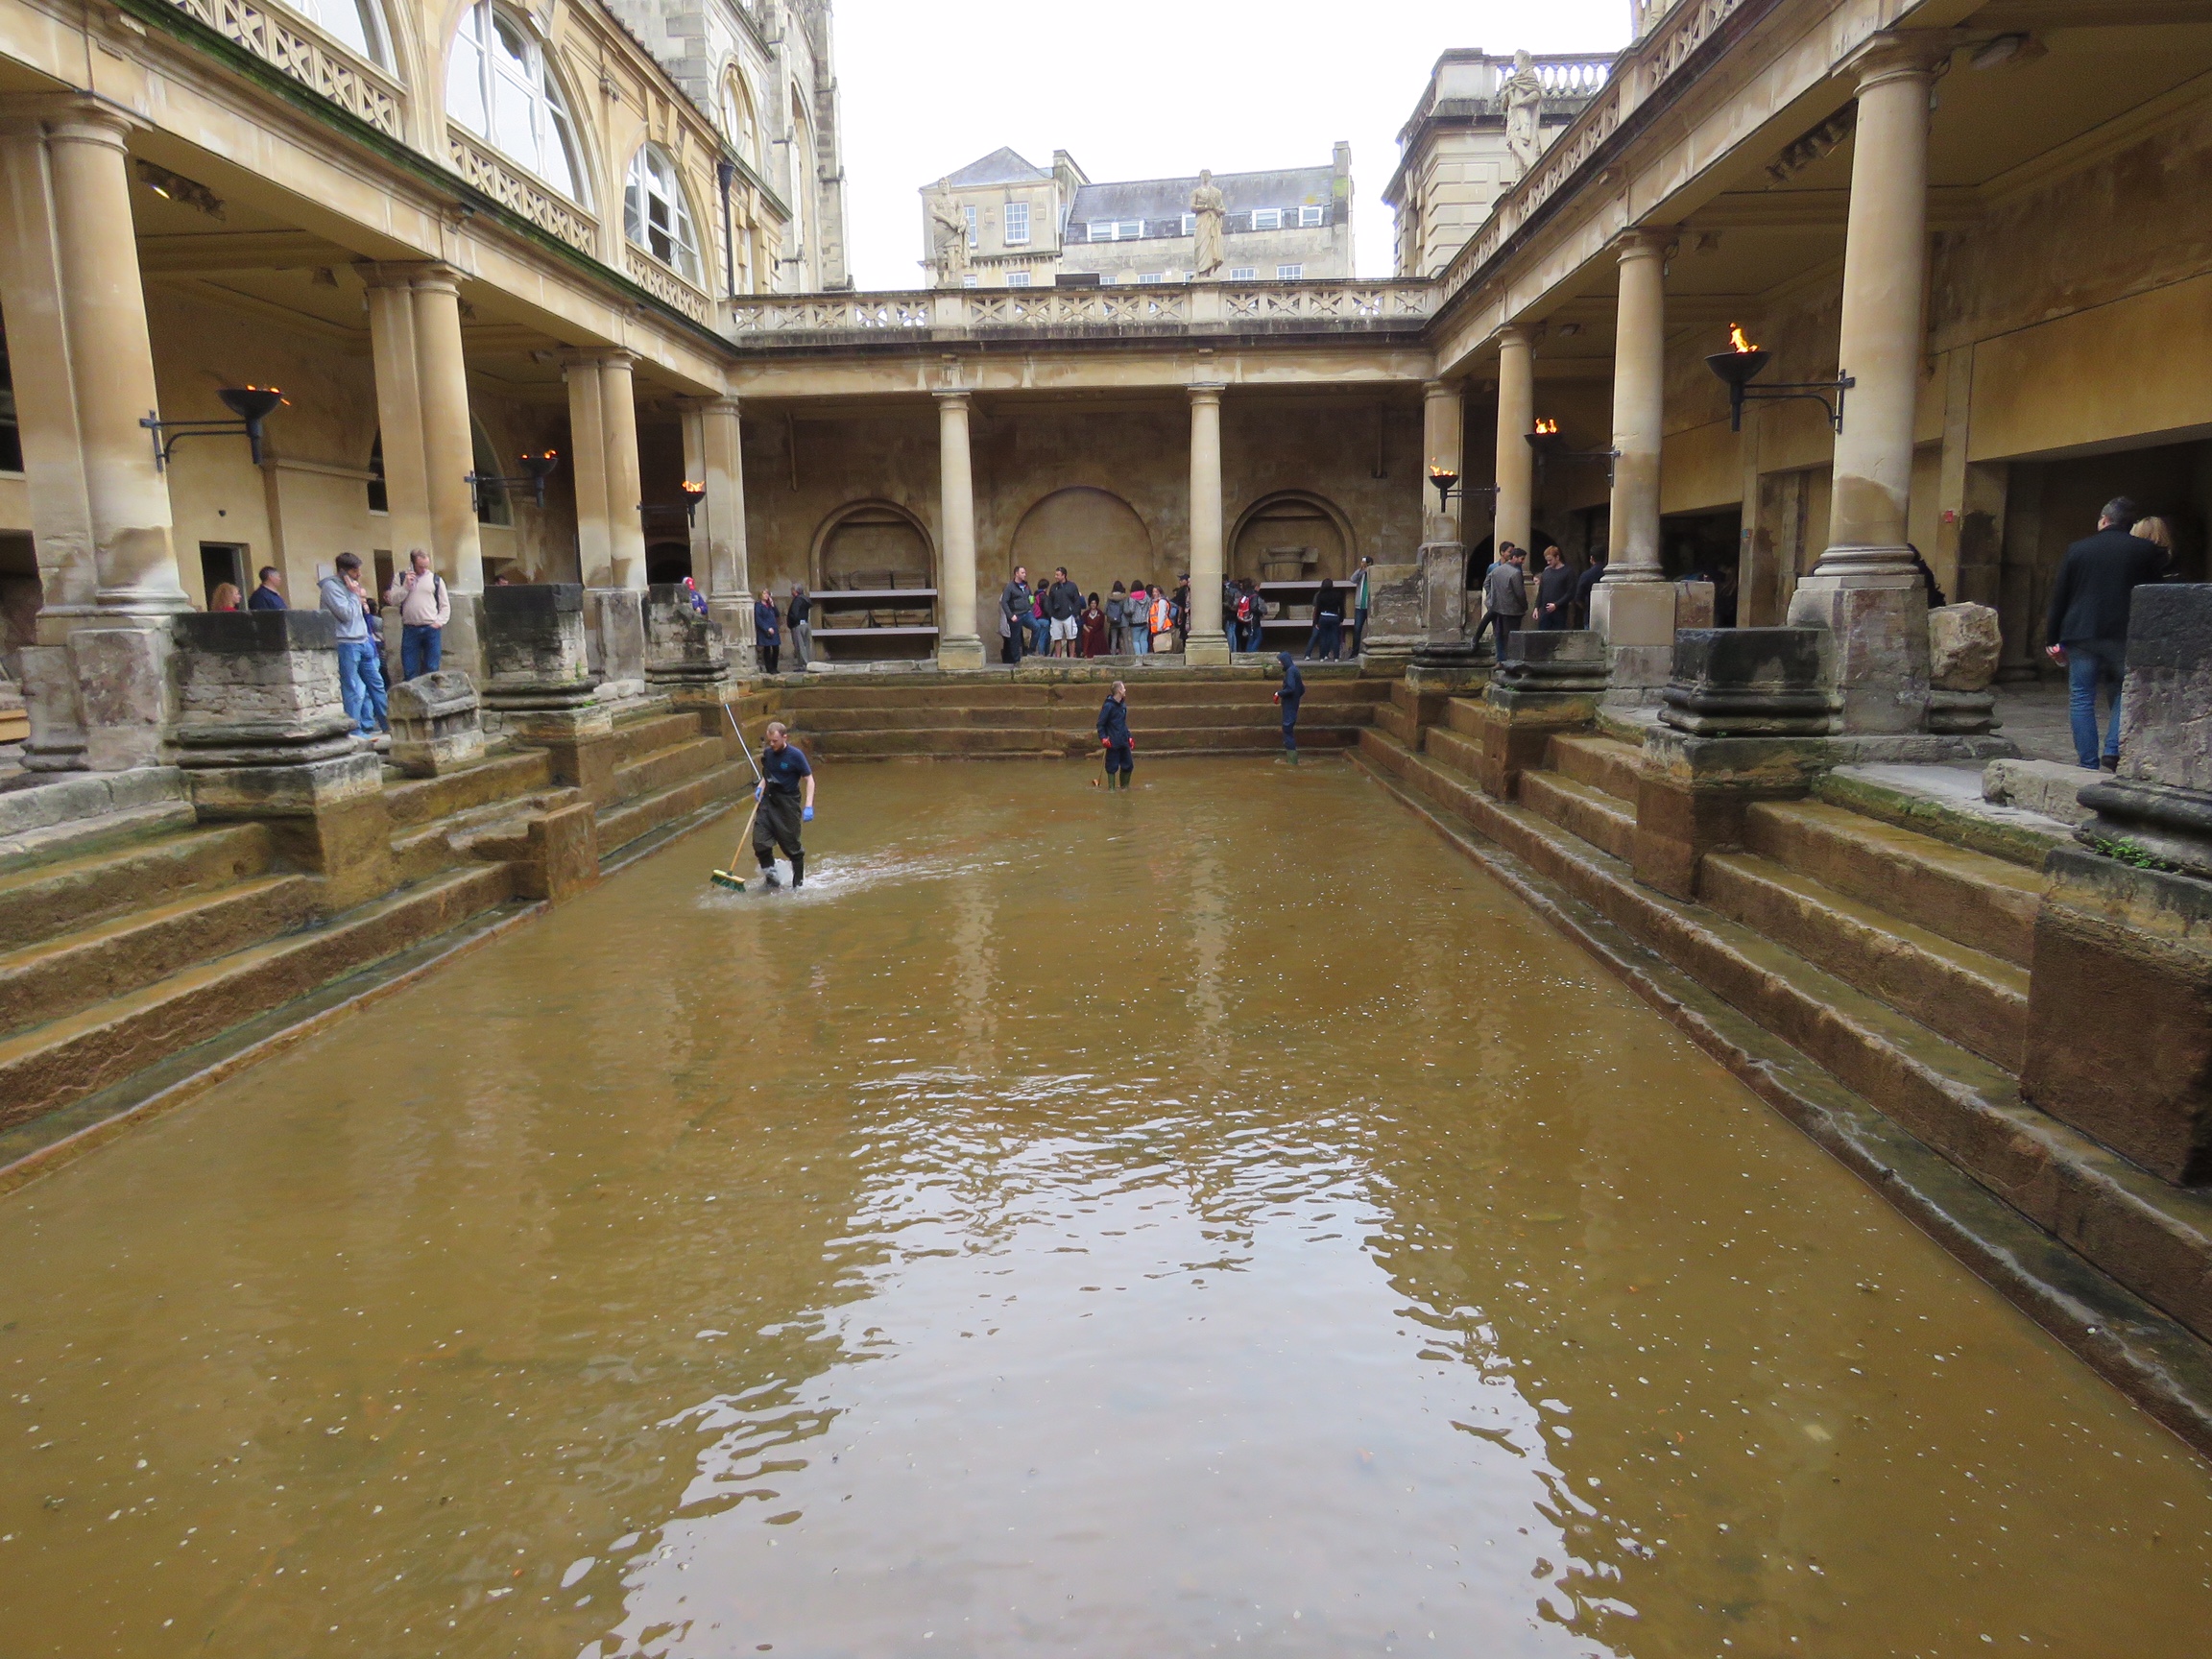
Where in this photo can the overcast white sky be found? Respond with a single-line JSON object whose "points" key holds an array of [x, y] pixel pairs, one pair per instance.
{"points": [[1142, 92]]}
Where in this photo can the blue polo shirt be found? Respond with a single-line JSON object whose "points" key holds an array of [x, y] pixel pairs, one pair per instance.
{"points": [[783, 768]]}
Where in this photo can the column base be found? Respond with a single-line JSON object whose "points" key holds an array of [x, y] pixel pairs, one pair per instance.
{"points": [[56, 740], [1876, 609], [959, 651], [1637, 620], [327, 817], [1206, 651], [123, 690]]}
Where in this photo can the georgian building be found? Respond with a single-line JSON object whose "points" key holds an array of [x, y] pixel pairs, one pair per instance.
{"points": [[1027, 225]]}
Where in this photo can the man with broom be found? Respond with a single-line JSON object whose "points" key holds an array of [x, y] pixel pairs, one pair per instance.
{"points": [[786, 800]]}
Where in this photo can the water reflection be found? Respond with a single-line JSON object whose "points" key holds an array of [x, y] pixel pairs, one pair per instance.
{"points": [[1204, 1217]]}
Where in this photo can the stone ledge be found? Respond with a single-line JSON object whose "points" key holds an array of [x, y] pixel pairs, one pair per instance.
{"points": [[72, 796]]}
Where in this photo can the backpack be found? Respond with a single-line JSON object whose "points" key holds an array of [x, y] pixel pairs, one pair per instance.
{"points": [[1243, 606]]}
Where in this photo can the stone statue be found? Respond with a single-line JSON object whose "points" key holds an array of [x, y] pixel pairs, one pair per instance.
{"points": [[1208, 208], [951, 223], [1524, 95]]}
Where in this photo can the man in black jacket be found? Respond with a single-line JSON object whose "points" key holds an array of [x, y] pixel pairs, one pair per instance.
{"points": [[1114, 735], [1064, 607], [1014, 616], [2088, 630], [1555, 592]]}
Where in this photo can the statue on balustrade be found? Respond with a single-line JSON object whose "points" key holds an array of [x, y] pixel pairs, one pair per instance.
{"points": [[1208, 208], [951, 222], [1524, 98]]}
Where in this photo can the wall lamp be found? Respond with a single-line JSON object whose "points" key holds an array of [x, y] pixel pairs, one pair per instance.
{"points": [[1740, 365], [536, 470], [1448, 485], [251, 404], [1550, 445]]}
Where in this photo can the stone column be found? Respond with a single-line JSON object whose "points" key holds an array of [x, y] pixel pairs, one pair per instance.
{"points": [[1864, 589], [958, 646], [396, 364], [448, 457], [119, 648], [1204, 643], [618, 416], [1516, 419], [588, 467], [1442, 442], [1634, 606], [727, 577]]}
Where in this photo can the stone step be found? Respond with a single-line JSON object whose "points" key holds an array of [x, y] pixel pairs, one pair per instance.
{"points": [[2152, 1237], [983, 742], [500, 778], [1453, 749], [661, 769], [1969, 897], [643, 735], [1970, 997], [1603, 763], [61, 1061], [1401, 722], [442, 844], [50, 900], [1463, 714], [1010, 692], [41, 844], [624, 822], [63, 974], [1604, 821]]}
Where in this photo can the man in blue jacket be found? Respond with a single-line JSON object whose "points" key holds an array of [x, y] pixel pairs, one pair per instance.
{"points": [[2088, 628], [1114, 734]]}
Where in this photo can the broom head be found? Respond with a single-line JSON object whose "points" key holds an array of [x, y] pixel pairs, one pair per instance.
{"points": [[723, 879]]}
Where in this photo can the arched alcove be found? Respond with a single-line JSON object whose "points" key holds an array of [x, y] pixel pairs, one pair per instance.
{"points": [[1291, 534], [1094, 532], [667, 562], [872, 544]]}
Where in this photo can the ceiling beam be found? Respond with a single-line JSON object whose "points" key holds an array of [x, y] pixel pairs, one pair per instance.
{"points": [[2022, 16], [238, 251]]}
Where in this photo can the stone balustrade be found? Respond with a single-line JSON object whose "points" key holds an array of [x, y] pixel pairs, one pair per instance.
{"points": [[812, 320], [274, 35]]}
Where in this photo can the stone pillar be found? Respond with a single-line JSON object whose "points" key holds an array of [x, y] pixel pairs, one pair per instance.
{"points": [[100, 690], [685, 659], [727, 576], [618, 418], [2120, 997], [1442, 442], [1634, 605], [1864, 589], [1516, 418], [1204, 643], [448, 457], [588, 467], [397, 363], [261, 733], [1446, 646], [958, 645]]}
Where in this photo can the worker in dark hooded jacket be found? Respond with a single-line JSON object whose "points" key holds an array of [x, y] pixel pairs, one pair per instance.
{"points": [[1114, 734], [1293, 688]]}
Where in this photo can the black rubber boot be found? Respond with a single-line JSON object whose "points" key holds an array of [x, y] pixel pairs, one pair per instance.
{"points": [[798, 871]]}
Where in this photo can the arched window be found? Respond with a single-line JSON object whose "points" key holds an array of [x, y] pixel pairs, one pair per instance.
{"points": [[656, 216], [350, 23], [738, 123], [501, 87]]}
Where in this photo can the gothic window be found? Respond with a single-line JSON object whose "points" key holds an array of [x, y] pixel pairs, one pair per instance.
{"points": [[738, 124], [350, 23], [655, 214], [500, 87]]}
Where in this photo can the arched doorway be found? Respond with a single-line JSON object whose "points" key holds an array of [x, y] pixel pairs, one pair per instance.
{"points": [[872, 544], [667, 562], [1094, 532], [1291, 536]]}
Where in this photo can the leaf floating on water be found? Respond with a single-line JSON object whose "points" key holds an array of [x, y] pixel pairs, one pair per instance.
{"points": [[1544, 1215]]}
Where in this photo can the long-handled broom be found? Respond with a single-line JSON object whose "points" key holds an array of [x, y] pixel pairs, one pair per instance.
{"points": [[724, 878]]}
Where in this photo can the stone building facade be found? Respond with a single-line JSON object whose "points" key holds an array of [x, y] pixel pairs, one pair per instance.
{"points": [[1027, 225]]}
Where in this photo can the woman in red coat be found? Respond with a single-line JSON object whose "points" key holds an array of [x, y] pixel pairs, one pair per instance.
{"points": [[1094, 637]]}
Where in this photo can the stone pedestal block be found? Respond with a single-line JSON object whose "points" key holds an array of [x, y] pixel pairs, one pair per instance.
{"points": [[56, 739], [1447, 641], [1744, 718], [1546, 683], [683, 648], [437, 723], [615, 623], [2120, 1011], [461, 647], [734, 617], [1637, 621], [122, 672], [555, 855], [2166, 704], [261, 733], [1878, 658], [1694, 603], [541, 682], [1963, 648], [1396, 612]]}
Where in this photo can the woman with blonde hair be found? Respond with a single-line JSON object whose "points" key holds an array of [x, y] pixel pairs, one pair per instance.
{"points": [[225, 597], [2159, 534]]}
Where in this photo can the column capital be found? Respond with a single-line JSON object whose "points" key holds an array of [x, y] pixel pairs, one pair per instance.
{"points": [[71, 116], [579, 362], [1207, 391], [1645, 242], [1903, 55], [721, 403], [407, 273], [1516, 334], [1442, 388]]}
